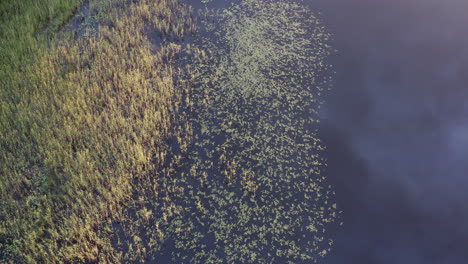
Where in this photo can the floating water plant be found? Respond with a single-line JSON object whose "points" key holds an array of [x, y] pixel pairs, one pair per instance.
{"points": [[259, 194]]}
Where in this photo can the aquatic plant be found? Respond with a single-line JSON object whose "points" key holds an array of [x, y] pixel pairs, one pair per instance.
{"points": [[259, 192]]}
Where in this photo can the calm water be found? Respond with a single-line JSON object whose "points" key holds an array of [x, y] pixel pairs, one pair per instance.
{"points": [[396, 126]]}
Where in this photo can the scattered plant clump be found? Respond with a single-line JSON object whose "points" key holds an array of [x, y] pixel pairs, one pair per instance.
{"points": [[254, 188]]}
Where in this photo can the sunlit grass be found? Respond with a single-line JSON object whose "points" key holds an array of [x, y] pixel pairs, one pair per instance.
{"points": [[91, 122]]}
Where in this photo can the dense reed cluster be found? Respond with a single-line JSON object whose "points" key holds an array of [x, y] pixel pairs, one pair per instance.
{"points": [[96, 122]]}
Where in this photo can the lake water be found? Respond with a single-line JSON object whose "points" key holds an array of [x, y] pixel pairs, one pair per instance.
{"points": [[396, 129]]}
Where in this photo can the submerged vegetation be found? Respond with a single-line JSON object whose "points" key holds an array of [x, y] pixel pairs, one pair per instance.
{"points": [[122, 142]]}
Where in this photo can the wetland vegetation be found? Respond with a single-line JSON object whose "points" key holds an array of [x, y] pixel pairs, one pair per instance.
{"points": [[152, 132]]}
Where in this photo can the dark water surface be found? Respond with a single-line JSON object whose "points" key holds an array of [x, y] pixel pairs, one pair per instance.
{"points": [[396, 128]]}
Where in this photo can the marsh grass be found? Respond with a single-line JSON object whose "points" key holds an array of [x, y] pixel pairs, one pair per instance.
{"points": [[21, 22], [86, 127]]}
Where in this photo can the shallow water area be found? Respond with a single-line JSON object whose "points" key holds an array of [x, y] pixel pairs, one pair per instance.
{"points": [[253, 186]]}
